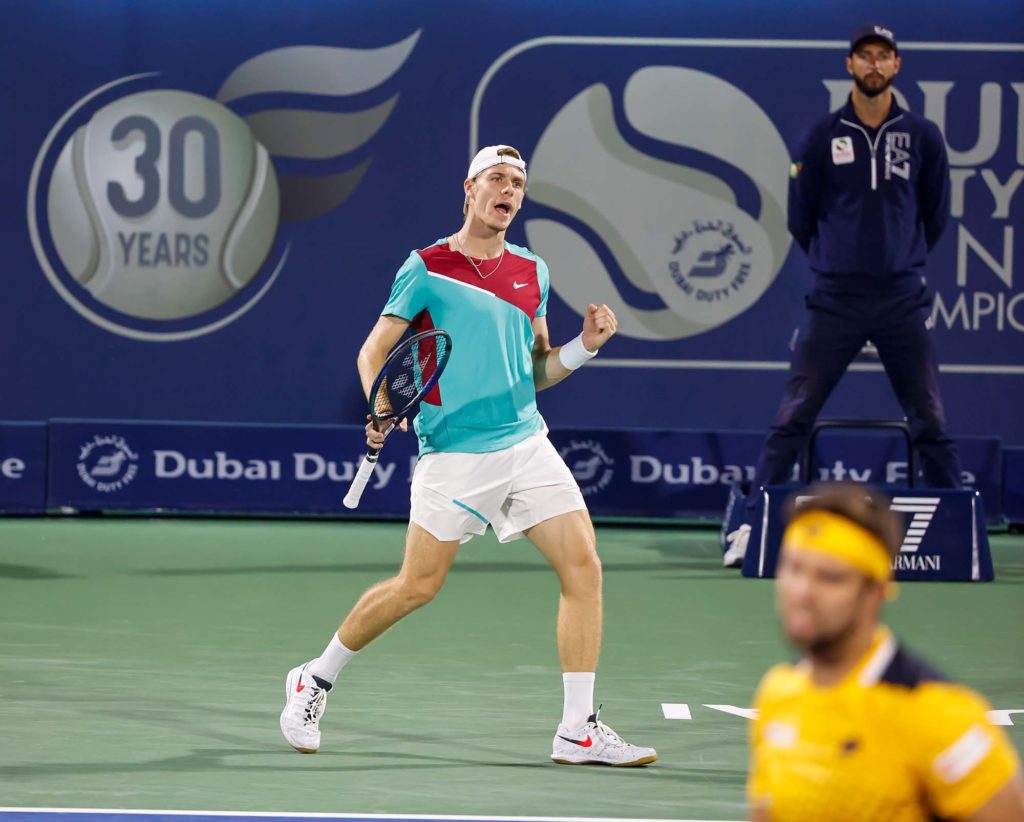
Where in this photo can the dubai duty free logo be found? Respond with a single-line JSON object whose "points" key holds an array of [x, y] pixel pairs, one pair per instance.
{"points": [[678, 243], [161, 214], [590, 465], [106, 463]]}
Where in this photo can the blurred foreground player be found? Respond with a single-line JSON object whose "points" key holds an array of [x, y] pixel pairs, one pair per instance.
{"points": [[860, 730]]}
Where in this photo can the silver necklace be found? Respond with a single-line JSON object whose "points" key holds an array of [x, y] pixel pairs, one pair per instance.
{"points": [[475, 266]]}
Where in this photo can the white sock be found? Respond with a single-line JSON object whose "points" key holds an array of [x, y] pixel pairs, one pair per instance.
{"points": [[579, 698], [332, 660]]}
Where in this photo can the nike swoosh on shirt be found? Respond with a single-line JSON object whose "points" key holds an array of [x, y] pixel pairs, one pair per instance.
{"points": [[519, 285], [583, 743]]}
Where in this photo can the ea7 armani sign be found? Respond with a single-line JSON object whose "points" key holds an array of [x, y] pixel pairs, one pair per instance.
{"points": [[922, 511], [944, 537]]}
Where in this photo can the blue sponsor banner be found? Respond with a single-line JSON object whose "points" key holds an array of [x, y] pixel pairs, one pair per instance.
{"points": [[687, 473], [22, 467], [111, 465], [944, 538], [881, 459], [222, 218], [657, 473]]}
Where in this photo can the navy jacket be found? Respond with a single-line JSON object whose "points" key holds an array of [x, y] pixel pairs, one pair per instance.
{"points": [[867, 205]]}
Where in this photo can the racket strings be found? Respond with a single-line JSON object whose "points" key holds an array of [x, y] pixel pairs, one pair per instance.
{"points": [[409, 374], [382, 407]]}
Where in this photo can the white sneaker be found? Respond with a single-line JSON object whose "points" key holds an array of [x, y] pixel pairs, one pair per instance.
{"points": [[733, 556], [305, 701], [594, 743]]}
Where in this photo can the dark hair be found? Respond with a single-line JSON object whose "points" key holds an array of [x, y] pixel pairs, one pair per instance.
{"points": [[866, 506]]}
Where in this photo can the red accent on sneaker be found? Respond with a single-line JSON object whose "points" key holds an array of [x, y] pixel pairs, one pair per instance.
{"points": [[583, 743], [299, 686]]}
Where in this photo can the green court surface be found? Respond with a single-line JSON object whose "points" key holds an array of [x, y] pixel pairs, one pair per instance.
{"points": [[142, 665]]}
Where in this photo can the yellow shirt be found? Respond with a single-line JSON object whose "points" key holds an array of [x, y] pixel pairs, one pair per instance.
{"points": [[891, 741]]}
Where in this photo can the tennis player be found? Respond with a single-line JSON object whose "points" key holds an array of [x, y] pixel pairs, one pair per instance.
{"points": [[860, 729], [484, 453]]}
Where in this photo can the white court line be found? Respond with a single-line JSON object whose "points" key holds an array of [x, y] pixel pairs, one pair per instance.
{"points": [[296, 815]]}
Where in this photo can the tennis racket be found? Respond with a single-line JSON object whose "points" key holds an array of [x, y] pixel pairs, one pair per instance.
{"points": [[409, 373]]}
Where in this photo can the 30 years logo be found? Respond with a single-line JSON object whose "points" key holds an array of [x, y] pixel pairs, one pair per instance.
{"points": [[157, 213]]}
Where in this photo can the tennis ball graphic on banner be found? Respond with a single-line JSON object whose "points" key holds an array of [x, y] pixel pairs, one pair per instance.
{"points": [[692, 239], [163, 205]]}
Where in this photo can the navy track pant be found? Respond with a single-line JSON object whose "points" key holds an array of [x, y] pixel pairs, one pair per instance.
{"points": [[835, 330]]}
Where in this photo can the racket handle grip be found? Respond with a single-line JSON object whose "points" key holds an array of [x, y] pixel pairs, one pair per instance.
{"points": [[355, 491]]}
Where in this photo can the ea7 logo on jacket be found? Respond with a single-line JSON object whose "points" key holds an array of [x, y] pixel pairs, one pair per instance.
{"points": [[897, 154]]}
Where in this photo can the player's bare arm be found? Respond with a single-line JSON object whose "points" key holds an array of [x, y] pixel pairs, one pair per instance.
{"points": [[759, 813], [382, 338], [549, 364], [1007, 805]]}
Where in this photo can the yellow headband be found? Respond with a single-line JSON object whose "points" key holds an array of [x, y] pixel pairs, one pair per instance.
{"points": [[823, 532]]}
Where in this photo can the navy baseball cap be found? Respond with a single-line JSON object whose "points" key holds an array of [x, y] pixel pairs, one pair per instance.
{"points": [[872, 31]]}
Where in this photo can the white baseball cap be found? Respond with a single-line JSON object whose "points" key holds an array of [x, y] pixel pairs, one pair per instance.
{"points": [[488, 156]]}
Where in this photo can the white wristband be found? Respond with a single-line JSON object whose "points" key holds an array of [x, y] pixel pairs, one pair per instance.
{"points": [[573, 354]]}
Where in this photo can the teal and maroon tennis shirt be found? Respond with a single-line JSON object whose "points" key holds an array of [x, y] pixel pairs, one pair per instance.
{"points": [[485, 400]]}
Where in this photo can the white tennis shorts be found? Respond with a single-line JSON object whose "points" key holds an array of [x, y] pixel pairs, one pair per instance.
{"points": [[455, 496]]}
